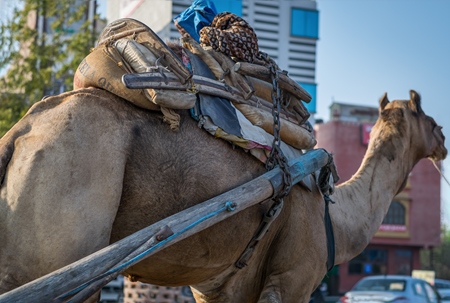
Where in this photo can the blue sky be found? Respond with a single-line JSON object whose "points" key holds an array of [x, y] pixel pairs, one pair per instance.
{"points": [[368, 47]]}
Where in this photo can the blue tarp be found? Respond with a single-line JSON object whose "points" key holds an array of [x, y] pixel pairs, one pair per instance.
{"points": [[201, 13]]}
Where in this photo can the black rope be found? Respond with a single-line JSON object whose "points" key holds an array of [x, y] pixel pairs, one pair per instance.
{"points": [[328, 176]]}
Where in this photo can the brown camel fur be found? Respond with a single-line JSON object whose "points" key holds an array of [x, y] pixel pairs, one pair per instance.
{"points": [[86, 168]]}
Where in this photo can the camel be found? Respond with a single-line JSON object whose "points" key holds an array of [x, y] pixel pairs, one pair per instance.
{"points": [[86, 168]]}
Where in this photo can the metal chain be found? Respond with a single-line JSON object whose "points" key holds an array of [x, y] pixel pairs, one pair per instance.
{"points": [[276, 156]]}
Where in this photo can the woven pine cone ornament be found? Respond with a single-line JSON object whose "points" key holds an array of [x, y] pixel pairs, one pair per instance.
{"points": [[231, 35]]}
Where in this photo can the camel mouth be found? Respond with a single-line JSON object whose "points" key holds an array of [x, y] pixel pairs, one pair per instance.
{"points": [[441, 149], [439, 154]]}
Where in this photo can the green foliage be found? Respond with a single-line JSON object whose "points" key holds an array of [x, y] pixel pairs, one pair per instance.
{"points": [[12, 108], [446, 234], [438, 258], [38, 63]]}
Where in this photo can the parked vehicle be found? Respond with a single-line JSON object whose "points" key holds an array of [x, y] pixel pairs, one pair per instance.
{"points": [[392, 289], [445, 295], [443, 287]]}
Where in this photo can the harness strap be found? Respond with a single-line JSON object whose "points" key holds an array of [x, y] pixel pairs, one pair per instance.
{"points": [[267, 220], [331, 245], [328, 176]]}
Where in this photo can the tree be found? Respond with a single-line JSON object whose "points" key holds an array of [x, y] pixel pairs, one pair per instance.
{"points": [[438, 258], [41, 44]]}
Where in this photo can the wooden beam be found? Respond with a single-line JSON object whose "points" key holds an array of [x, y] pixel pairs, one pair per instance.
{"points": [[200, 84]]}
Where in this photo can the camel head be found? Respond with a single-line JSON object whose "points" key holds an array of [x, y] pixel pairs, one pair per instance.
{"points": [[404, 122]]}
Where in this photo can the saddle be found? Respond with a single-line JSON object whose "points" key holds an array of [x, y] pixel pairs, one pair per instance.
{"points": [[131, 61]]}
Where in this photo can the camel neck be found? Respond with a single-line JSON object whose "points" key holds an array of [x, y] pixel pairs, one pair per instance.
{"points": [[363, 201]]}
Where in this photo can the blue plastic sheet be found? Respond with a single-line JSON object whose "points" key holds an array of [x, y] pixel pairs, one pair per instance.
{"points": [[200, 14]]}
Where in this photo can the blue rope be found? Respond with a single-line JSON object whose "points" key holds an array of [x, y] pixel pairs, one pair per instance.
{"points": [[229, 206]]}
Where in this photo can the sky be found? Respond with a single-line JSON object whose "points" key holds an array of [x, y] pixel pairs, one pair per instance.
{"points": [[369, 47]]}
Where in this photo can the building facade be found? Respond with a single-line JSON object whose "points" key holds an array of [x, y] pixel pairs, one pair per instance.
{"points": [[287, 30], [413, 220]]}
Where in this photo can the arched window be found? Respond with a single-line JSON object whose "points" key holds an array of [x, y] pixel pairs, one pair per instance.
{"points": [[396, 214]]}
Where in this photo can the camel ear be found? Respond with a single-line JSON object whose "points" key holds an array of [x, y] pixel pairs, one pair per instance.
{"points": [[414, 102], [383, 102]]}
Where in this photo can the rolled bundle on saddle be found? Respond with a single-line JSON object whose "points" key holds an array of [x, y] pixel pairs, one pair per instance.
{"points": [[293, 117], [127, 46], [103, 68]]}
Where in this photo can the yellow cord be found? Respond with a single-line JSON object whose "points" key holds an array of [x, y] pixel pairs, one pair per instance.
{"points": [[434, 163]]}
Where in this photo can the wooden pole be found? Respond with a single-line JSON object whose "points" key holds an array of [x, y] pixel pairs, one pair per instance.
{"points": [[170, 231], [263, 73], [212, 87]]}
